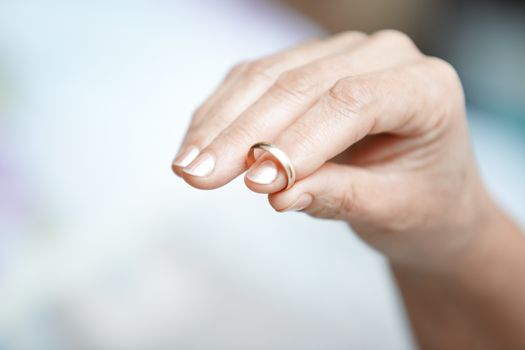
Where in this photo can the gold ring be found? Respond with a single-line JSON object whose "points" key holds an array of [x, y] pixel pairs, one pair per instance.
{"points": [[281, 157]]}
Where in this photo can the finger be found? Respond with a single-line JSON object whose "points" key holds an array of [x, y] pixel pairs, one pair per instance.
{"points": [[252, 80], [408, 100], [355, 196], [291, 96], [358, 198], [186, 153]]}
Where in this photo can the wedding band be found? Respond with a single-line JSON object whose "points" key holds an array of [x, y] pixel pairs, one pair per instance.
{"points": [[281, 157]]}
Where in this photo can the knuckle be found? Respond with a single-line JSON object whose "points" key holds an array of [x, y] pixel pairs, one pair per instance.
{"points": [[259, 70], [442, 67], [297, 84], [199, 112], [392, 35], [396, 37], [351, 35], [448, 83], [199, 115], [349, 96], [237, 69], [443, 74]]}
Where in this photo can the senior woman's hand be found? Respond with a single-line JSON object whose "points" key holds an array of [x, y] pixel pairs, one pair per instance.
{"points": [[376, 132], [378, 136]]}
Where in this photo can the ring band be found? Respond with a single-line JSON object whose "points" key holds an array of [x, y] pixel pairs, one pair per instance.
{"points": [[281, 157]]}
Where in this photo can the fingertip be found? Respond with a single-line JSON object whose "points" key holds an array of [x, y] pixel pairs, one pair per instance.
{"points": [[199, 182], [264, 176], [274, 187], [176, 169], [183, 158], [290, 200]]}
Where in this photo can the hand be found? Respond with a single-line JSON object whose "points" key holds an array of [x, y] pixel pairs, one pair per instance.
{"points": [[376, 131]]}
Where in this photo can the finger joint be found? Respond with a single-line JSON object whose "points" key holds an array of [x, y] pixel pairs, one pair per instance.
{"points": [[296, 84]]}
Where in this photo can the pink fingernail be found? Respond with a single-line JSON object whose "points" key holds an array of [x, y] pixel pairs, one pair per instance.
{"points": [[202, 165], [186, 156], [264, 174]]}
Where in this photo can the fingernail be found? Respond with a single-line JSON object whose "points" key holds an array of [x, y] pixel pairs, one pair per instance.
{"points": [[304, 200], [201, 166], [265, 173], [186, 156]]}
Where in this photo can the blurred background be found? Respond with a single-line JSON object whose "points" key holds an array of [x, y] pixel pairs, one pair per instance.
{"points": [[102, 247]]}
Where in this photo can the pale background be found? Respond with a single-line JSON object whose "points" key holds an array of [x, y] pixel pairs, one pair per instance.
{"points": [[102, 247]]}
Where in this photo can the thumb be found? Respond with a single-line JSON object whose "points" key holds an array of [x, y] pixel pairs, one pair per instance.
{"points": [[343, 192]]}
